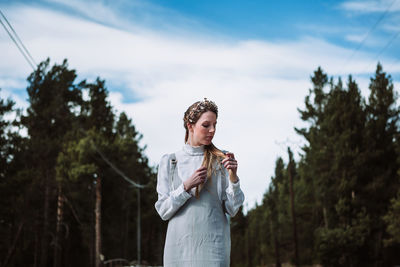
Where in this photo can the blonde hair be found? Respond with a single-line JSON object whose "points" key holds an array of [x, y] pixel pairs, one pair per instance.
{"points": [[212, 154]]}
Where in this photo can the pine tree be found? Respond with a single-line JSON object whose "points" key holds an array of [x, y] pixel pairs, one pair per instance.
{"points": [[392, 219], [291, 173], [52, 98], [316, 156], [6, 107], [238, 236], [11, 222], [380, 178], [333, 160]]}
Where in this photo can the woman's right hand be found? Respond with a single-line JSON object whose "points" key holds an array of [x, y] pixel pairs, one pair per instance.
{"points": [[197, 178]]}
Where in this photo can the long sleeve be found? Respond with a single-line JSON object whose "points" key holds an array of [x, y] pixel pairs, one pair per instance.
{"points": [[234, 195], [168, 201]]}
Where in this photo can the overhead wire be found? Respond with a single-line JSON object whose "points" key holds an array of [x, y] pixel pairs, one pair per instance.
{"points": [[394, 37], [388, 44], [118, 171], [25, 53], [28, 56], [109, 163], [19, 39], [369, 32], [393, 64]]}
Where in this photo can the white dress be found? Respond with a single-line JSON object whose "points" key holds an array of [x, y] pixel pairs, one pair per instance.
{"points": [[198, 232]]}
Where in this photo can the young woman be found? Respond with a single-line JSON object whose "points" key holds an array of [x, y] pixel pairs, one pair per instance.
{"points": [[197, 186]]}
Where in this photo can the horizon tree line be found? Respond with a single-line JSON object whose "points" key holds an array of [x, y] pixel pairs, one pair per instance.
{"points": [[63, 204]]}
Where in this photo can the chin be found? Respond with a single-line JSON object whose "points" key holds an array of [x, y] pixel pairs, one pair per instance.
{"points": [[206, 143]]}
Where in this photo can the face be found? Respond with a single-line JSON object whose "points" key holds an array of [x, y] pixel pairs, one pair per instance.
{"points": [[202, 132]]}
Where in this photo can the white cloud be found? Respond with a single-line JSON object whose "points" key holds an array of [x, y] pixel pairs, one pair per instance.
{"points": [[10, 88], [357, 38], [371, 6], [258, 85]]}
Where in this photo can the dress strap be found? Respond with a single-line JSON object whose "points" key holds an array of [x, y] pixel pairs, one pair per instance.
{"points": [[223, 186], [172, 167], [223, 181]]}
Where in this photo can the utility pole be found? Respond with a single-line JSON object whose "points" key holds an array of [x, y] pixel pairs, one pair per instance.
{"points": [[97, 211], [296, 254], [60, 214], [98, 205]]}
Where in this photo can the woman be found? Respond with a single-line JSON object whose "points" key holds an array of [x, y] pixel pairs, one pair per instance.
{"points": [[196, 187]]}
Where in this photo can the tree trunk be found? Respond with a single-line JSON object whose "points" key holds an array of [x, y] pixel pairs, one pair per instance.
{"points": [[35, 256], [13, 245], [276, 245], [325, 213], [138, 228], [44, 239], [98, 255], [126, 233], [296, 254], [57, 242]]}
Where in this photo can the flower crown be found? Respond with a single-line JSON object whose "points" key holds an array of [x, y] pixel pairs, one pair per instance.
{"points": [[198, 108]]}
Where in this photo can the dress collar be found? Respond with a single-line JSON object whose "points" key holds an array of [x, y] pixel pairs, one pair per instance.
{"points": [[193, 150]]}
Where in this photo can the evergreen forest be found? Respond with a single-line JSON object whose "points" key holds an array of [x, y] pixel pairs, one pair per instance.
{"points": [[76, 186]]}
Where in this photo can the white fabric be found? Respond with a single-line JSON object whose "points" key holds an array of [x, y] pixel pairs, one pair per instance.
{"points": [[198, 231]]}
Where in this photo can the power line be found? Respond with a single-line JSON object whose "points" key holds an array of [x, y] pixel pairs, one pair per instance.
{"points": [[116, 169], [24, 51], [19, 39], [389, 43], [369, 32], [393, 64], [394, 37], [19, 48], [106, 160]]}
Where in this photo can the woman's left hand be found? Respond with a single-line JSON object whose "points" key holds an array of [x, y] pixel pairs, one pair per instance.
{"points": [[230, 163]]}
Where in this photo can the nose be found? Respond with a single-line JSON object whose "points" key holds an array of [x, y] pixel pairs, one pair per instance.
{"points": [[212, 129]]}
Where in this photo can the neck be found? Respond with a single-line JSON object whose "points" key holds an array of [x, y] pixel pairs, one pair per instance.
{"points": [[190, 141], [193, 144]]}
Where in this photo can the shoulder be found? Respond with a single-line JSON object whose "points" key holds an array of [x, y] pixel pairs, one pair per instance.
{"points": [[166, 158], [165, 163]]}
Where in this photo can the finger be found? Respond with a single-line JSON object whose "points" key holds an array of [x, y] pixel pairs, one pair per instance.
{"points": [[230, 155], [202, 173], [227, 163], [231, 165], [230, 162], [227, 160]]}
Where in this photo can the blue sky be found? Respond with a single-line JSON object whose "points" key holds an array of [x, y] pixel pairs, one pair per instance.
{"points": [[253, 58], [256, 19]]}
